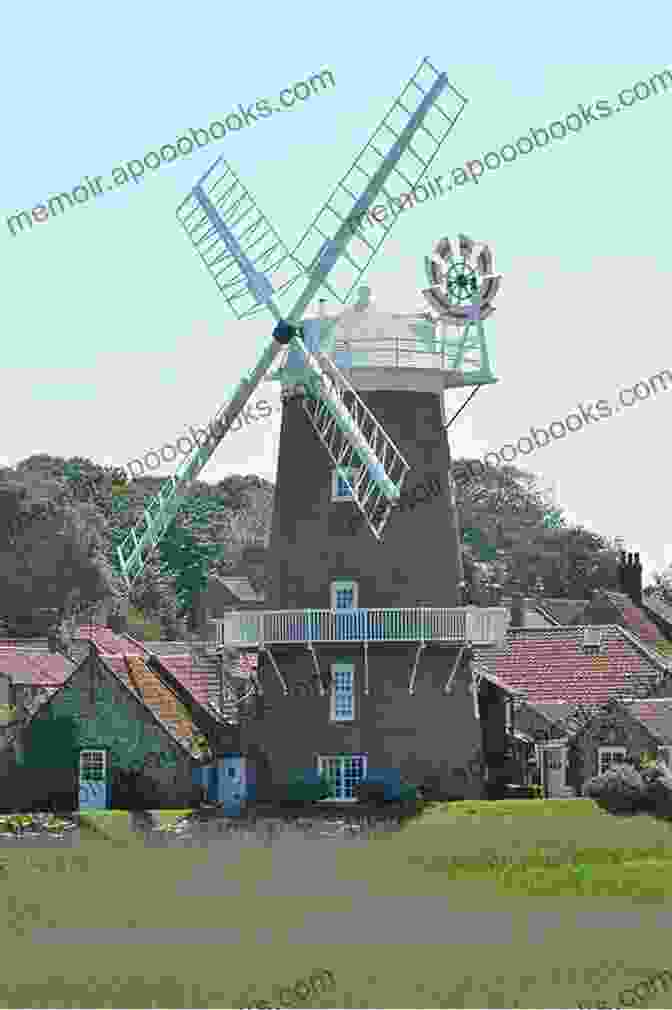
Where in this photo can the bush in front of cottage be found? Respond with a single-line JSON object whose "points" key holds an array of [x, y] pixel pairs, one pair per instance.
{"points": [[657, 779], [619, 790], [303, 787], [383, 787]]}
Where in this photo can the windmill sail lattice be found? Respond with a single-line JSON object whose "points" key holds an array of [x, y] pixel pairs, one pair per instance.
{"points": [[240, 247], [430, 106], [256, 236]]}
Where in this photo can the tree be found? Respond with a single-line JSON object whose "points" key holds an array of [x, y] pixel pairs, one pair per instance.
{"points": [[187, 561], [48, 551]]}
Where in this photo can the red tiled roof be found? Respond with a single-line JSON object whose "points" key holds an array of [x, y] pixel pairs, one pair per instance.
{"points": [[656, 714], [552, 665], [191, 671], [635, 620], [108, 642], [35, 666]]}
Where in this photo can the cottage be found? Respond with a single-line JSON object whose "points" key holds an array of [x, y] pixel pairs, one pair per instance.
{"points": [[118, 730], [619, 731], [556, 670]]}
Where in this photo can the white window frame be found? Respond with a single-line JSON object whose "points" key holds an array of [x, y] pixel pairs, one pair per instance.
{"points": [[603, 751], [344, 584], [347, 668], [322, 760], [351, 471], [101, 766]]}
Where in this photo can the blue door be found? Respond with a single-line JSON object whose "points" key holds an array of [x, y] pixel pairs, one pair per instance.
{"points": [[232, 785], [211, 783], [93, 787]]}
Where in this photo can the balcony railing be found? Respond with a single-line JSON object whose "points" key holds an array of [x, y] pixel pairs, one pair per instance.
{"points": [[397, 351], [482, 626]]}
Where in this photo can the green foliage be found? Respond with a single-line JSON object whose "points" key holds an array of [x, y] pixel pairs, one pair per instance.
{"points": [[187, 561], [620, 790], [141, 628], [526, 539], [306, 788]]}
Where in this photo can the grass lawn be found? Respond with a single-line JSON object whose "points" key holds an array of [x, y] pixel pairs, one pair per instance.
{"points": [[530, 903]]}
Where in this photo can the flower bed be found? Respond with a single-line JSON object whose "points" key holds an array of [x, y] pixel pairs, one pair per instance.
{"points": [[35, 825]]}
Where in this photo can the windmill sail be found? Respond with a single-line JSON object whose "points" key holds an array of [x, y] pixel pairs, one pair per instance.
{"points": [[425, 112], [228, 244], [254, 234]]}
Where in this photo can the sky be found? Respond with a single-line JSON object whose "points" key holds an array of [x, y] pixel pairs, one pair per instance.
{"points": [[114, 337]]}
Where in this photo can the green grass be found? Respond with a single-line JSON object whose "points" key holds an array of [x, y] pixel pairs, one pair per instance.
{"points": [[560, 857]]}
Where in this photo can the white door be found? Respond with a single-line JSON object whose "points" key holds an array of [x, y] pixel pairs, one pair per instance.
{"points": [[554, 770], [93, 780]]}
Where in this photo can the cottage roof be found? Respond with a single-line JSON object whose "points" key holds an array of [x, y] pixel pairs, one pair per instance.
{"points": [[660, 608], [240, 588], [656, 715], [552, 665], [32, 663], [633, 618], [175, 718], [186, 661], [563, 611]]}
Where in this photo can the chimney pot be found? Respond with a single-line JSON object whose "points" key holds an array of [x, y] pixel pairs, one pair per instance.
{"points": [[517, 611]]}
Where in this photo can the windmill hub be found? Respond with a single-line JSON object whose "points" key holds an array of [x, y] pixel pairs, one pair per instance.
{"points": [[284, 332], [462, 281]]}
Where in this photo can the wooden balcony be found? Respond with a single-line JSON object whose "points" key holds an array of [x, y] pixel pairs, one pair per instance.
{"points": [[457, 625]]}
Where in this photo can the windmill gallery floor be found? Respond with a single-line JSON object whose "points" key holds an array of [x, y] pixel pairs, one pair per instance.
{"points": [[388, 919]]}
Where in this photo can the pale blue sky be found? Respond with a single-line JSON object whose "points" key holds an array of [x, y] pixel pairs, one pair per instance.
{"points": [[114, 337]]}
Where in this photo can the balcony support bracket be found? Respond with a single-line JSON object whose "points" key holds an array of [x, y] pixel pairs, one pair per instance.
{"points": [[476, 679], [285, 689], [411, 684], [311, 650], [366, 667], [449, 683]]}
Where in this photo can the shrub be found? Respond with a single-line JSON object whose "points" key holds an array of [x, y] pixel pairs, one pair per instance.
{"points": [[371, 791], [381, 789], [657, 780], [620, 790], [307, 788]]}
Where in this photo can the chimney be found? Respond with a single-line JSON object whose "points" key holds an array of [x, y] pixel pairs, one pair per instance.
{"points": [[636, 581], [622, 573], [517, 611]]}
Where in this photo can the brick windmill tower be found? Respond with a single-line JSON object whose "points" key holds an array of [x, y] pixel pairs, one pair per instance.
{"points": [[364, 663], [363, 655]]}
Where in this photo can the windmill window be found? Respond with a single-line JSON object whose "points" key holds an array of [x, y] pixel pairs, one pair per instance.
{"points": [[344, 595], [342, 707], [343, 773]]}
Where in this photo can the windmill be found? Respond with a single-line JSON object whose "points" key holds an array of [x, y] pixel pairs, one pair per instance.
{"points": [[255, 271]]}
